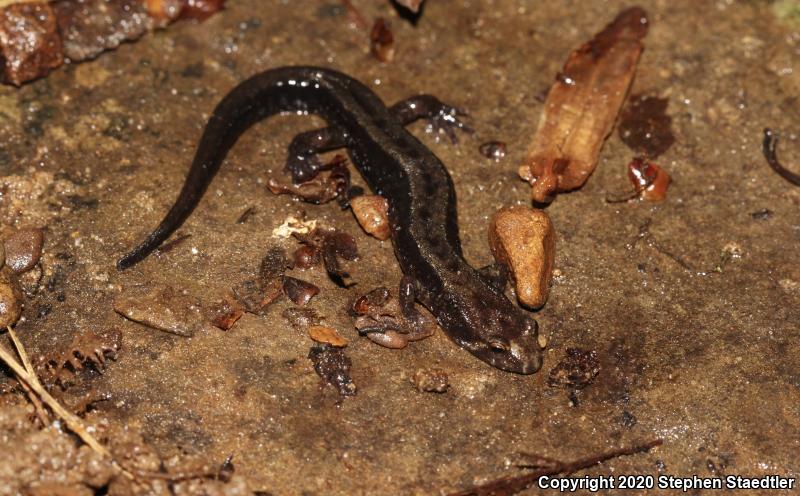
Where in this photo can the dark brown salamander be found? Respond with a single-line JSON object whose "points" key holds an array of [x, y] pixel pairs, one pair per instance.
{"points": [[422, 202]]}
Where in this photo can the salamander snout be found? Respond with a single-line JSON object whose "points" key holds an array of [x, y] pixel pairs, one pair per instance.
{"points": [[519, 353]]}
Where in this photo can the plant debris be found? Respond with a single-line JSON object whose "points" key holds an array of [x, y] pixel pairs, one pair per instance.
{"points": [[649, 180], [382, 41], [87, 350], [326, 335], [226, 312], [769, 148], [330, 181], [333, 367], [542, 466], [391, 322], [577, 370], [299, 291], [582, 106], [329, 245]]}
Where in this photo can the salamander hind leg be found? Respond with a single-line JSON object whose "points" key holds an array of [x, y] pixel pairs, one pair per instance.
{"points": [[442, 118], [303, 162]]}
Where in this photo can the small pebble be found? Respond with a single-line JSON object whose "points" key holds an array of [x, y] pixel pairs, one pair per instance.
{"points": [[523, 239], [495, 150], [372, 212], [431, 380], [23, 249]]}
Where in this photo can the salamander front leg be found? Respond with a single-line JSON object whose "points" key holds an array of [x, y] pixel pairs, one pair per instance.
{"points": [[303, 161], [442, 118]]}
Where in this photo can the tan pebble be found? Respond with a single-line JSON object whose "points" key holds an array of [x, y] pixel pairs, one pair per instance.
{"points": [[23, 249], [10, 298], [322, 334], [372, 212], [524, 239], [431, 380], [542, 341]]}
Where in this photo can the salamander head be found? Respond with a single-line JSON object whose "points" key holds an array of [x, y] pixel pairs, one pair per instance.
{"points": [[499, 333], [517, 352]]}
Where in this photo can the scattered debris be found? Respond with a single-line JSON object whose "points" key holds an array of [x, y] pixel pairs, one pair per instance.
{"points": [[431, 380], [645, 126], [388, 321], [25, 373], [762, 214], [253, 297], [330, 245], [496, 150], [412, 5], [326, 335], [30, 44], [38, 36], [329, 181], [544, 466], [23, 249], [226, 312], [293, 225], [769, 149], [161, 308], [577, 370], [333, 367], [299, 291], [87, 350], [372, 214], [382, 41], [301, 318], [523, 239], [649, 180], [582, 106], [246, 215], [10, 297]]}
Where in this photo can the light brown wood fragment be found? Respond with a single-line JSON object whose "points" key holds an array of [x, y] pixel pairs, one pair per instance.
{"points": [[327, 335], [524, 240], [581, 107]]}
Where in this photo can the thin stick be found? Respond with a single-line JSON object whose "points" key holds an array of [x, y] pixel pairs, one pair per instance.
{"points": [[508, 486], [41, 414], [72, 422]]}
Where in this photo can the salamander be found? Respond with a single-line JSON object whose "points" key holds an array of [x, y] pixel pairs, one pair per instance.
{"points": [[470, 309]]}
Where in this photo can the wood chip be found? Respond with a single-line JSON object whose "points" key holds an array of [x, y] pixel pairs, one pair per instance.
{"points": [[326, 335]]}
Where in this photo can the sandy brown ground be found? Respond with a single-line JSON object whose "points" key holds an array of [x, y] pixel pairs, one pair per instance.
{"points": [[707, 360]]}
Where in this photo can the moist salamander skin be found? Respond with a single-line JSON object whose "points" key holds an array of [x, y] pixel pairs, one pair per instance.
{"points": [[422, 201]]}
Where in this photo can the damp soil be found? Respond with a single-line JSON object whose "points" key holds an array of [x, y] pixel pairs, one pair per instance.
{"points": [[689, 306]]}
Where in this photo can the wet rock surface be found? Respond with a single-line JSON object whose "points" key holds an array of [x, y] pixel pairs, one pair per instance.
{"points": [[707, 360]]}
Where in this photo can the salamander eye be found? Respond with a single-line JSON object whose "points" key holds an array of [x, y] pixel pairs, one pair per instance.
{"points": [[498, 346]]}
